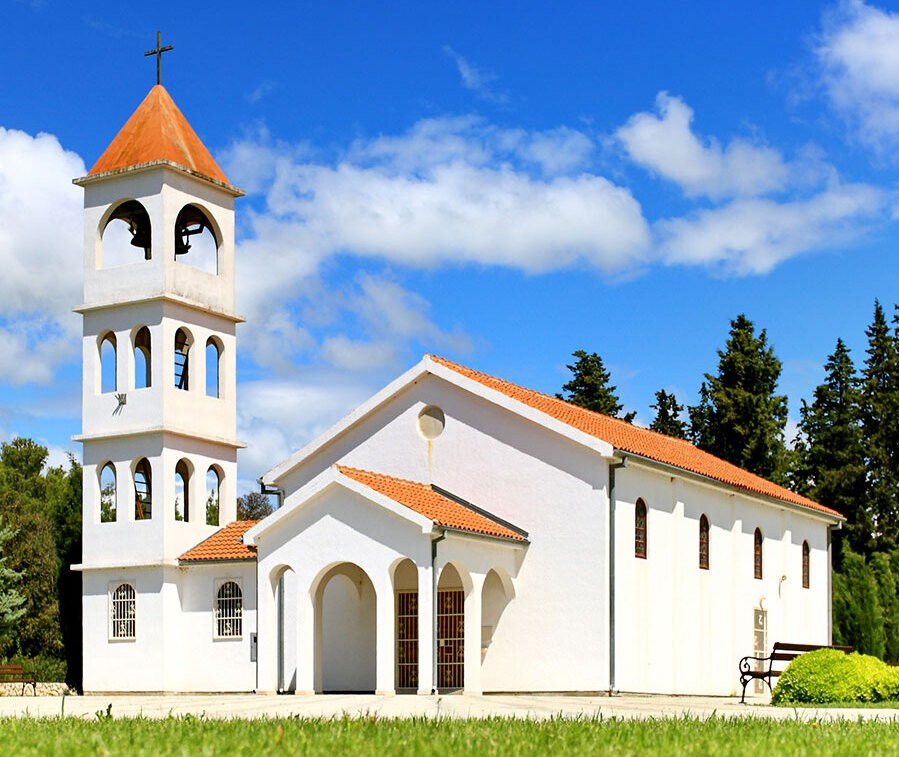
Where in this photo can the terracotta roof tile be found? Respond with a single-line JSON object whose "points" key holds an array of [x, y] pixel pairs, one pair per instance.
{"points": [[639, 441], [423, 499], [224, 544], [158, 131]]}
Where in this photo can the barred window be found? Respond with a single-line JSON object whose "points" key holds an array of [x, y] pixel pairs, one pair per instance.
{"points": [[229, 611], [805, 564], [640, 529], [758, 554], [703, 543], [123, 612]]}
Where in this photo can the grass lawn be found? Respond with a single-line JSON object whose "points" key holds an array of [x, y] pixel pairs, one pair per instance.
{"points": [[372, 736]]}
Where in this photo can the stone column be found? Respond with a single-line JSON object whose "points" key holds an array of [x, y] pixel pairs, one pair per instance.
{"points": [[425, 630], [305, 636], [473, 634], [266, 637], [385, 635]]}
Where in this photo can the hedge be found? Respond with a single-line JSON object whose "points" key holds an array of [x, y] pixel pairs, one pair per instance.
{"points": [[828, 675]]}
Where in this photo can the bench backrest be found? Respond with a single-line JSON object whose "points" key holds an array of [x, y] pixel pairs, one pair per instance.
{"points": [[11, 670]]}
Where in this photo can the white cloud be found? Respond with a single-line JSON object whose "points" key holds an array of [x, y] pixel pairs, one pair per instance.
{"points": [[447, 192], [279, 417], [859, 54], [40, 233], [751, 236], [476, 79], [666, 144]]}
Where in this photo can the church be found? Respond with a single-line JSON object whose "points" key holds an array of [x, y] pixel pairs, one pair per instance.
{"points": [[455, 532]]}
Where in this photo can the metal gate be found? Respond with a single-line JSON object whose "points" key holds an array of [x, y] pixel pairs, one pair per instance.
{"points": [[450, 638], [407, 640]]}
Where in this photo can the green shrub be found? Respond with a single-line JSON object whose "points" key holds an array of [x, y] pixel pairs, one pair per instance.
{"points": [[46, 669], [828, 675]]}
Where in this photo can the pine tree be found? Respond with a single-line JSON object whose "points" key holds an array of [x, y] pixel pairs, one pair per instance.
{"points": [[668, 415], [739, 417], [880, 430], [829, 455], [589, 387], [11, 601]]}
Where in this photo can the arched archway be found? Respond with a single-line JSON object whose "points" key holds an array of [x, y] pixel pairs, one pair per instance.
{"points": [[450, 630], [496, 593], [345, 620], [284, 589], [405, 587]]}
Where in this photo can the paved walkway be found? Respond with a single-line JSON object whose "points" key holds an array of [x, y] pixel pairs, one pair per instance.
{"points": [[455, 706]]}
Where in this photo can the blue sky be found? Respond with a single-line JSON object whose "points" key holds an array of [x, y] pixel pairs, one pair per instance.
{"points": [[499, 183]]}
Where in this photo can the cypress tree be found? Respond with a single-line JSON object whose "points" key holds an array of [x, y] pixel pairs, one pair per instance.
{"points": [[829, 455], [668, 415], [739, 417], [880, 430], [857, 612], [589, 387], [882, 571]]}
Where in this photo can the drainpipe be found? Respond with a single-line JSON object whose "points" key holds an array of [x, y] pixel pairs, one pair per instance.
{"points": [[830, 530], [434, 610], [280, 635], [612, 468], [266, 489]]}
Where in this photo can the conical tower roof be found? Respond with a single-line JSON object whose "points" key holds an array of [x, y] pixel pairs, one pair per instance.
{"points": [[158, 132]]}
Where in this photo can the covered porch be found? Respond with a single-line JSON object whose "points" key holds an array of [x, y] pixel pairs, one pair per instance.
{"points": [[374, 584]]}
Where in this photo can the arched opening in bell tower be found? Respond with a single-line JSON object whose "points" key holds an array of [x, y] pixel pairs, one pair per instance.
{"points": [[126, 238], [143, 490], [142, 355], [196, 242], [182, 490]]}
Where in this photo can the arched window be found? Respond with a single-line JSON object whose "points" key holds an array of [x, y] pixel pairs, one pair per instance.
{"points": [[213, 485], [195, 240], [182, 490], [126, 232], [142, 362], [107, 494], [182, 363], [213, 362], [703, 542], [123, 612], [640, 529], [758, 554], [806, 554], [229, 611], [108, 363], [143, 490]]}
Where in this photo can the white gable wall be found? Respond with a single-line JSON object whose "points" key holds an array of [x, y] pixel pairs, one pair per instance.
{"points": [[550, 486]]}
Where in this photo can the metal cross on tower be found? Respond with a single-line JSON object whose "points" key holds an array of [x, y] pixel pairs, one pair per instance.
{"points": [[158, 53]]}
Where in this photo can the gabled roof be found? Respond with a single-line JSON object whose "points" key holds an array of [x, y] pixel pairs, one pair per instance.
{"points": [[158, 133], [644, 442], [603, 434], [225, 544], [438, 506]]}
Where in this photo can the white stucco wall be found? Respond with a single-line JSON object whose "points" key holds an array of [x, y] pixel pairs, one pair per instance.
{"points": [[174, 648], [681, 629], [678, 629]]}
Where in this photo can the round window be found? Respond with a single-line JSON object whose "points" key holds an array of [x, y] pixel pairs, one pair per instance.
{"points": [[431, 421]]}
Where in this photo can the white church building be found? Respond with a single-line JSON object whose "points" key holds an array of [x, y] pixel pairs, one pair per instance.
{"points": [[454, 532]]}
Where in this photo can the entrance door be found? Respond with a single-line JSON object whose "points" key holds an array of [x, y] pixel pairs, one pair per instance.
{"points": [[407, 640], [450, 638], [760, 643]]}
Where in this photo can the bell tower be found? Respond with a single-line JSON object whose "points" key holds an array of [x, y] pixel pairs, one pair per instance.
{"points": [[159, 348]]}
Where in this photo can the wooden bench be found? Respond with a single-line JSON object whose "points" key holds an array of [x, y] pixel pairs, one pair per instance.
{"points": [[17, 674], [762, 668]]}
